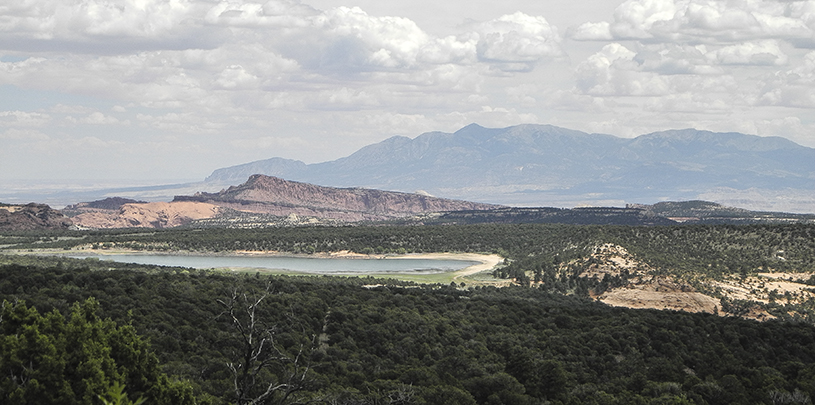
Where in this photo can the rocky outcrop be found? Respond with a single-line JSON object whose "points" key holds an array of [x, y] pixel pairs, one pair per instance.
{"points": [[110, 203], [147, 215], [31, 216], [264, 195], [273, 195]]}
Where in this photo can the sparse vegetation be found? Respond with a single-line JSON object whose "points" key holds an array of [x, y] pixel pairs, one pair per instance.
{"points": [[543, 340], [430, 344]]}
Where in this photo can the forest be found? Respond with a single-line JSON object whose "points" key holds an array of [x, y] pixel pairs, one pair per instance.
{"points": [[174, 335]]}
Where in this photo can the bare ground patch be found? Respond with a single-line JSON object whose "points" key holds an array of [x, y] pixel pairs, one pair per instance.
{"points": [[660, 293]]}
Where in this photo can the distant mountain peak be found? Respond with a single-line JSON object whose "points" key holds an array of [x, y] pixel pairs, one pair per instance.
{"points": [[470, 127], [546, 165]]}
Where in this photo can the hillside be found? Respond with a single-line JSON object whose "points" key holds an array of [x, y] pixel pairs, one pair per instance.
{"points": [[263, 201], [398, 344], [271, 195], [31, 216], [661, 213], [550, 215], [707, 212], [544, 165], [110, 203], [144, 215], [267, 201]]}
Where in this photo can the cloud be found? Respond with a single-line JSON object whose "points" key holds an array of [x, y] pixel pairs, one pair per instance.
{"points": [[70, 109], [614, 72], [700, 62], [23, 119], [788, 127], [101, 25], [347, 40], [450, 50], [635, 19], [574, 101], [265, 50], [518, 40], [523, 94], [267, 73], [279, 13], [590, 31], [269, 142], [706, 21], [792, 88], [236, 77], [181, 123], [682, 80], [24, 135], [684, 59], [345, 99], [765, 52], [97, 118], [677, 59], [688, 102], [344, 40]]}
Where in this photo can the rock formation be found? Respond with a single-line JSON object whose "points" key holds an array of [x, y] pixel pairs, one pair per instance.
{"points": [[272, 195], [31, 216], [147, 215]]}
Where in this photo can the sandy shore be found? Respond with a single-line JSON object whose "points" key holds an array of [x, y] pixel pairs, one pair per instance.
{"points": [[485, 262]]}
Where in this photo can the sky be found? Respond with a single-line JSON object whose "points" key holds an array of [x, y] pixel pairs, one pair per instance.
{"points": [[169, 90]]}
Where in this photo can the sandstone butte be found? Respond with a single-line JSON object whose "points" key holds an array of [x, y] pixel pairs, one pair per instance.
{"points": [[270, 196]]}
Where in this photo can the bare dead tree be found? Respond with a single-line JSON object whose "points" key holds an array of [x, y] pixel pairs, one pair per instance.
{"points": [[263, 372]]}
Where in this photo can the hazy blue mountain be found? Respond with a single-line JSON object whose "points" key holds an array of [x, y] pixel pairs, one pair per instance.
{"points": [[547, 165]]}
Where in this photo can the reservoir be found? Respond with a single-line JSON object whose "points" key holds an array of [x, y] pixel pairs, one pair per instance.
{"points": [[314, 265]]}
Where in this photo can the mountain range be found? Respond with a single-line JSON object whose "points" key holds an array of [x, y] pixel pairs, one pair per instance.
{"points": [[533, 166], [544, 165]]}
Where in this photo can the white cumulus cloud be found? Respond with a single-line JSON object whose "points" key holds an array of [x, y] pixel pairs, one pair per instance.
{"points": [[765, 52], [91, 25], [518, 40], [793, 87], [23, 119], [706, 21], [614, 72], [590, 31]]}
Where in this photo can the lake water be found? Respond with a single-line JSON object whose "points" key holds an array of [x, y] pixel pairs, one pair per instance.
{"points": [[315, 265]]}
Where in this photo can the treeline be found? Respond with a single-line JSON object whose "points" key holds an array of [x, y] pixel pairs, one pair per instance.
{"points": [[550, 257], [370, 341], [723, 248], [534, 251]]}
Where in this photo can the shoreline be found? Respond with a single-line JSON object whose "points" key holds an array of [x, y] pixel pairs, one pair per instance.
{"points": [[484, 261]]}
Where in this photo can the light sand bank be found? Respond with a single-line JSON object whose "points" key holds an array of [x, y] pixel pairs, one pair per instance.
{"points": [[485, 262]]}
